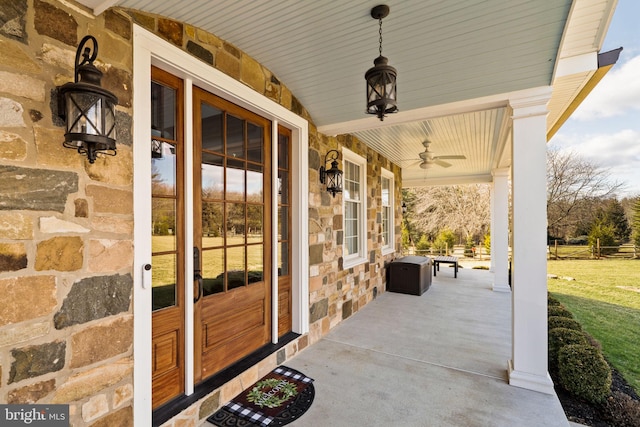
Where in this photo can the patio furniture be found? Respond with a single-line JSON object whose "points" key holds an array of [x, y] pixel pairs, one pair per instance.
{"points": [[410, 275], [445, 260]]}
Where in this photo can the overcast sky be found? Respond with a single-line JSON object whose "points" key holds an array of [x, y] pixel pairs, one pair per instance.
{"points": [[606, 127]]}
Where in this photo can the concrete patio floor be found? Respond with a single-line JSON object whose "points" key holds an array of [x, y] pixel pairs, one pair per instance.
{"points": [[439, 359]]}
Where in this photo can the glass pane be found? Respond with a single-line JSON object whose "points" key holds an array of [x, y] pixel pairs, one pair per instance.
{"points": [[212, 271], [235, 180], [109, 119], [211, 122], [350, 227], [235, 223], [235, 137], [283, 152], [163, 169], [283, 223], [351, 222], [83, 108], [255, 263], [254, 183], [351, 245], [352, 184], [385, 225], [255, 222], [385, 192], [163, 281], [212, 218], [283, 187], [283, 259], [235, 267], [350, 210], [212, 176], [163, 111], [163, 223], [255, 142]]}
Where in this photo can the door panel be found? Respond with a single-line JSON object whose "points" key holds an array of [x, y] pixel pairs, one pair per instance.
{"points": [[167, 237], [284, 231], [231, 229]]}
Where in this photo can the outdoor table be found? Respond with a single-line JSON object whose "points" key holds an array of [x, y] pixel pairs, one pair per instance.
{"points": [[445, 260]]}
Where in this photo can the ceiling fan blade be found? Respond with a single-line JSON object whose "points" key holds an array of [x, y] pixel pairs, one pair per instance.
{"points": [[413, 163], [441, 163], [454, 157]]}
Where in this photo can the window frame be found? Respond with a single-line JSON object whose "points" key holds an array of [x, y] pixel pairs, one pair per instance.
{"points": [[388, 247], [361, 256]]}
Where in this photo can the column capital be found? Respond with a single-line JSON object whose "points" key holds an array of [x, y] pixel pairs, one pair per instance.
{"points": [[500, 172], [531, 103]]}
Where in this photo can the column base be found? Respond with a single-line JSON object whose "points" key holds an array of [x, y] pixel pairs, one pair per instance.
{"points": [[498, 287], [542, 384]]}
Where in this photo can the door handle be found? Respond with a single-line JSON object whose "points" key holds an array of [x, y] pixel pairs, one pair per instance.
{"points": [[197, 279], [197, 275]]}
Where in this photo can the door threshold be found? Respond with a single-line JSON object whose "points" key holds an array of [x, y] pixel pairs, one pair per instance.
{"points": [[172, 408]]}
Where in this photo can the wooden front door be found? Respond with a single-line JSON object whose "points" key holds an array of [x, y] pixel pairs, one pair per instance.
{"points": [[229, 210], [232, 232]]}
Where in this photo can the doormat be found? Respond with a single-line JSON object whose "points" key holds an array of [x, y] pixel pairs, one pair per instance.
{"points": [[279, 398]]}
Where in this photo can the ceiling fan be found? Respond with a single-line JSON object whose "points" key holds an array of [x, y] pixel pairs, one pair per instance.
{"points": [[428, 159]]}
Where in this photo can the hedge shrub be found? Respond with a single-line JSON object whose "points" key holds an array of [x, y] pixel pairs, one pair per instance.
{"points": [[558, 338], [563, 322], [584, 372], [552, 301], [559, 310]]}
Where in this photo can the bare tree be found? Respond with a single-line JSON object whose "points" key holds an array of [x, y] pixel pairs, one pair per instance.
{"points": [[574, 184], [465, 209]]}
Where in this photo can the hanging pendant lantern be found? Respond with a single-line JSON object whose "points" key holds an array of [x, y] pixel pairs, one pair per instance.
{"points": [[88, 109], [381, 79]]}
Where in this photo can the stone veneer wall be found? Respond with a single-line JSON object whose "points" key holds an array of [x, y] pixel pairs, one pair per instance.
{"points": [[66, 227], [336, 293]]}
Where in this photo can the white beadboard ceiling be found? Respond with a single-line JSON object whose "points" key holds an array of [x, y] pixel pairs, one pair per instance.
{"points": [[447, 53]]}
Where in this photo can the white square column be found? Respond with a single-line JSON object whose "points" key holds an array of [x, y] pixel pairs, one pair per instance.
{"points": [[528, 366], [500, 230], [492, 224]]}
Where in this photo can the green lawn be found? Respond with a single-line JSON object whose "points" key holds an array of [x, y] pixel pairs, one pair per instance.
{"points": [[212, 261], [605, 299]]}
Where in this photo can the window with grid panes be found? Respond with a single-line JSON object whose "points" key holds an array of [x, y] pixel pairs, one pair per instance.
{"points": [[387, 197], [354, 198]]}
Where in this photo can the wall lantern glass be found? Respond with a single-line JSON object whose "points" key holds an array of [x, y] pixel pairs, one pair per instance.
{"points": [[88, 110], [331, 177], [381, 79]]}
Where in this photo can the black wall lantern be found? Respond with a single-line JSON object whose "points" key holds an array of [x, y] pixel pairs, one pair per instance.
{"points": [[381, 79], [404, 208], [88, 109], [333, 176]]}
